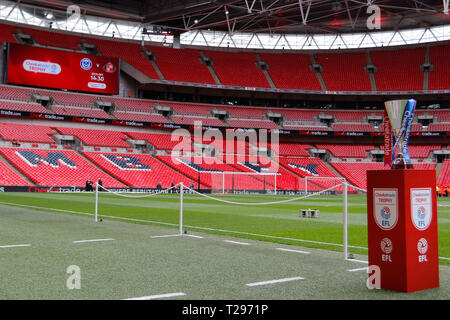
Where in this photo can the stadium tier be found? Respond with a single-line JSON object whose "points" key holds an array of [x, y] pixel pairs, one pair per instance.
{"points": [[237, 69], [340, 71], [399, 70], [25, 133], [337, 67], [440, 76], [281, 65], [56, 167], [181, 65], [347, 151], [91, 137]]}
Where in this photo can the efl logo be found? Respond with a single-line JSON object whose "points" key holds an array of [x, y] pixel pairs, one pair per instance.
{"points": [[86, 64], [386, 247], [385, 214], [422, 247]]}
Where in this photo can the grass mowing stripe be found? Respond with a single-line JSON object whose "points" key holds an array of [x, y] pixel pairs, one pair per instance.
{"points": [[279, 224]]}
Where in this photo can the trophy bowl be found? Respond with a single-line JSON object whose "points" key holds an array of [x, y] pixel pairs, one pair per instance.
{"points": [[401, 115]]}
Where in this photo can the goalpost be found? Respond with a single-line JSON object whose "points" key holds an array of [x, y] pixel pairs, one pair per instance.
{"points": [[232, 181]]}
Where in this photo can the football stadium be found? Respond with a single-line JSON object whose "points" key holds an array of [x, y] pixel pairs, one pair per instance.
{"points": [[224, 150]]}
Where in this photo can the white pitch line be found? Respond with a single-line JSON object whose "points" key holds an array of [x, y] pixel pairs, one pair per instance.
{"points": [[159, 296], [355, 260], [237, 242], [166, 236], [263, 283], [358, 269], [193, 236], [292, 250], [92, 240], [15, 246]]}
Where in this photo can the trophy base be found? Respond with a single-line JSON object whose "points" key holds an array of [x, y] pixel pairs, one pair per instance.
{"points": [[402, 166]]}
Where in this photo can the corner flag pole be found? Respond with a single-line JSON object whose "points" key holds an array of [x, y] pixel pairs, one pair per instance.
{"points": [[96, 202], [181, 207], [345, 219]]}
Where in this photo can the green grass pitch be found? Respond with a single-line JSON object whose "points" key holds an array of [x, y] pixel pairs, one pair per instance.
{"points": [[50, 222], [278, 222]]}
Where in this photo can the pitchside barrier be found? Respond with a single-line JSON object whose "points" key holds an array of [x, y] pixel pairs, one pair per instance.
{"points": [[181, 190]]}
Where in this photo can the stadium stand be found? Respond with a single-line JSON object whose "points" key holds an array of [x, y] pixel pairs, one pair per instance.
{"points": [[8, 177], [26, 133], [56, 167], [137, 170], [181, 65], [349, 151], [443, 181], [337, 67], [355, 172], [283, 64], [237, 69], [440, 76], [399, 70], [92, 137]]}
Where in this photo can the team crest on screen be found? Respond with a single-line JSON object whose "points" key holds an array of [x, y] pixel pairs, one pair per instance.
{"points": [[109, 67], [86, 64]]}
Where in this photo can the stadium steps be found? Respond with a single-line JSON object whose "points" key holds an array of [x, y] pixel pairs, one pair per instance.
{"points": [[318, 74], [101, 169], [211, 70], [438, 169], [373, 83], [297, 175], [337, 173], [266, 72], [11, 166], [426, 72]]}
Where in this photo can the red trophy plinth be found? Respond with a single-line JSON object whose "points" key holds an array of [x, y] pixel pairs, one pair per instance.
{"points": [[402, 228]]}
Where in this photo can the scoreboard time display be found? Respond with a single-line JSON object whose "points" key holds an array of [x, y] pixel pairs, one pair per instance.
{"points": [[50, 68]]}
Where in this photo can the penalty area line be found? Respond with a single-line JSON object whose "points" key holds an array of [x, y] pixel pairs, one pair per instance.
{"points": [[159, 296], [292, 250], [92, 240], [15, 246]]}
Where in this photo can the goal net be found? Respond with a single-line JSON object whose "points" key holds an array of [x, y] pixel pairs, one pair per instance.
{"points": [[242, 182]]}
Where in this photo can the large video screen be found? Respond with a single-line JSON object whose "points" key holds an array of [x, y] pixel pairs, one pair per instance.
{"points": [[49, 68]]}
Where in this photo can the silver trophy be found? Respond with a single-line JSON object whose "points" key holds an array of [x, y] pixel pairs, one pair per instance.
{"points": [[401, 115]]}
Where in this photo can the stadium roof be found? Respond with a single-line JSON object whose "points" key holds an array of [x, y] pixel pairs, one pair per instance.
{"points": [[244, 24], [265, 16]]}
